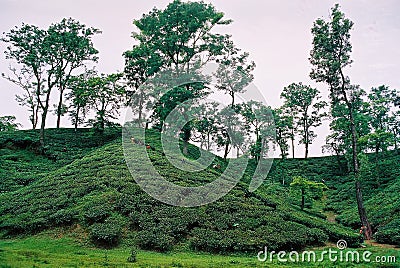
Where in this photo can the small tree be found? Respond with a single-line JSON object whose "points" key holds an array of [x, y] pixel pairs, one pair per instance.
{"points": [[283, 125], [234, 72], [81, 92], [106, 99], [228, 124], [313, 189], [380, 105], [206, 125], [24, 79], [306, 108], [27, 46], [7, 123]]}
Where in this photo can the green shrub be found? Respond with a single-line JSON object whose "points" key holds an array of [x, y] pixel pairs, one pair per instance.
{"points": [[389, 233], [106, 234], [132, 257], [64, 217], [96, 214], [155, 239]]}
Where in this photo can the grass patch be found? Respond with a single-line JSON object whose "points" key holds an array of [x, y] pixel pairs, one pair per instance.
{"points": [[41, 251]]}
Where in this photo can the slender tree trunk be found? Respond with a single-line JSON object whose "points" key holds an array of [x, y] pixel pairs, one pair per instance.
{"points": [[140, 110], [360, 202], [292, 144], [306, 144], [140, 117], [306, 129], [33, 120], [36, 117], [42, 126], [226, 149], [45, 109], [59, 108], [76, 118], [306, 155], [362, 212]]}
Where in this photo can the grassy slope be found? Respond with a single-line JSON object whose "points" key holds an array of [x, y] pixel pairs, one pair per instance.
{"points": [[89, 186], [380, 180]]}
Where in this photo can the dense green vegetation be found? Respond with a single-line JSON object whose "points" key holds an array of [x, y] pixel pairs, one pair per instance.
{"points": [[97, 192], [88, 194]]}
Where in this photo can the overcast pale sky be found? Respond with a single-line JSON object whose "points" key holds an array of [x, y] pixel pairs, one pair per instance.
{"points": [[275, 33]]}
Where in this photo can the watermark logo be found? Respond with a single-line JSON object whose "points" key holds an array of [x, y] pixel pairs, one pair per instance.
{"points": [[341, 244], [330, 255], [137, 148]]}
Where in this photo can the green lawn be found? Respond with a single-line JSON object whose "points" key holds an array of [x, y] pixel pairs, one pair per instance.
{"points": [[42, 251]]}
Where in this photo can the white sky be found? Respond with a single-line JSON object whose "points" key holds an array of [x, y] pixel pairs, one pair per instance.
{"points": [[275, 33]]}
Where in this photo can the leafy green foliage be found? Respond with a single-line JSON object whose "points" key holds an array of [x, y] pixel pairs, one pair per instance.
{"points": [[46, 59], [106, 234], [304, 104], [389, 233], [7, 123], [309, 188], [105, 96], [330, 56], [94, 189]]}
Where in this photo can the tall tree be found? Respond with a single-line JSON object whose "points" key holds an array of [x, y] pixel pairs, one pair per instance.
{"points": [[70, 47], [28, 47], [50, 56], [141, 63], [234, 72], [330, 56], [182, 36], [304, 101]]}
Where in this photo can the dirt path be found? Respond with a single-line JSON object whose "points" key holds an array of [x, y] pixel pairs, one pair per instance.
{"points": [[376, 244], [331, 217]]}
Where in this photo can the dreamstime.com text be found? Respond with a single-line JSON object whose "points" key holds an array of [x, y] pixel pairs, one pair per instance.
{"points": [[334, 255]]}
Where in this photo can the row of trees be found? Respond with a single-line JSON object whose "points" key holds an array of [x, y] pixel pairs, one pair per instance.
{"points": [[58, 58], [47, 60]]}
